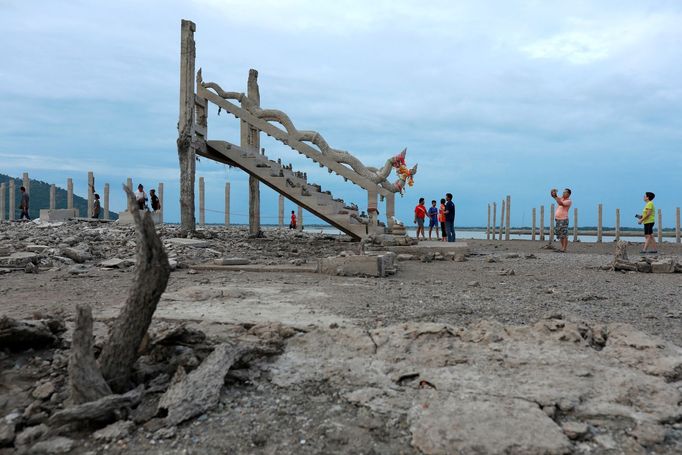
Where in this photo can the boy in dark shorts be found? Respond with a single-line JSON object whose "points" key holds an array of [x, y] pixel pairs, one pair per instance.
{"points": [[419, 215], [648, 218], [561, 216], [433, 218]]}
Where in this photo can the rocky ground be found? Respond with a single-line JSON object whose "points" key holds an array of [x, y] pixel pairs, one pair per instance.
{"points": [[518, 349]]}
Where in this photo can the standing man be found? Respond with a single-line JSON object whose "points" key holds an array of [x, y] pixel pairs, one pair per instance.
{"points": [[419, 215], [648, 218], [433, 218], [561, 216], [450, 218], [156, 204], [141, 197], [23, 205], [96, 207]]}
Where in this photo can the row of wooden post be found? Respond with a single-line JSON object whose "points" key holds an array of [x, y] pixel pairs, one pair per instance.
{"points": [[492, 232]]}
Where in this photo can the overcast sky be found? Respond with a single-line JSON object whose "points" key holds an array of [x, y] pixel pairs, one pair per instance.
{"points": [[490, 98]]}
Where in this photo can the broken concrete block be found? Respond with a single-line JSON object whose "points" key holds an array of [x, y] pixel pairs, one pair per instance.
{"points": [[59, 444], [116, 263], [232, 261], [187, 242], [19, 259], [115, 431], [57, 215], [663, 266], [378, 266]]}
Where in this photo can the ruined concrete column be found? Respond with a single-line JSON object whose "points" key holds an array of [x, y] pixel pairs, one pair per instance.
{"points": [[390, 211], [532, 231], [299, 221], [106, 201], [599, 224], [280, 211], [499, 237], [660, 226], [2, 201], [677, 225], [372, 207], [159, 194], [186, 152], [202, 202], [575, 224], [487, 226], [250, 141], [551, 223], [69, 193], [26, 183], [53, 196], [494, 219], [508, 220], [12, 203], [91, 193], [227, 203], [542, 223], [617, 224]]}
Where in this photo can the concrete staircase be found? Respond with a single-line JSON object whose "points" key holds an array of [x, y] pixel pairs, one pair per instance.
{"points": [[291, 184]]}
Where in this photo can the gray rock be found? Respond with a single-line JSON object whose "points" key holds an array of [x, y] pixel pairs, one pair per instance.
{"points": [[78, 269], [43, 391], [31, 268], [76, 255], [36, 248], [30, 435], [115, 431], [474, 284], [6, 434], [166, 433], [59, 444], [232, 261], [195, 243], [664, 266], [116, 263], [575, 430], [19, 259]]}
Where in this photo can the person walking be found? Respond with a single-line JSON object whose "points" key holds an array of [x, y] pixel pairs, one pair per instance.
{"points": [[23, 204], [450, 218], [561, 216], [433, 218], [648, 218], [419, 215], [292, 224], [96, 207], [441, 220]]}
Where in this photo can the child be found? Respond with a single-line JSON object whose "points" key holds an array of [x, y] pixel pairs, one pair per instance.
{"points": [[292, 225], [441, 220], [419, 215], [433, 218]]}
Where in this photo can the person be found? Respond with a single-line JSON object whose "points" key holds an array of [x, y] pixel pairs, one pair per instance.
{"points": [[292, 224], [96, 206], [141, 197], [156, 204], [23, 205], [561, 216], [419, 215], [449, 218], [648, 218], [433, 218], [441, 220]]}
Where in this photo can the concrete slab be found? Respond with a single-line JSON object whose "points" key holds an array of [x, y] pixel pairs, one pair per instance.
{"points": [[196, 243], [378, 266], [57, 215], [431, 247], [125, 217]]}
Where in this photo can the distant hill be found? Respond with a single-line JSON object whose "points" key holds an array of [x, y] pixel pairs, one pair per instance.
{"points": [[40, 198]]}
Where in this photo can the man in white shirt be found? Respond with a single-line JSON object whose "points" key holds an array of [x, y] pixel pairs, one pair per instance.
{"points": [[140, 197]]}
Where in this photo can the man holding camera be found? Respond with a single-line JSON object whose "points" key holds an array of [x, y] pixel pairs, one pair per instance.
{"points": [[561, 216]]}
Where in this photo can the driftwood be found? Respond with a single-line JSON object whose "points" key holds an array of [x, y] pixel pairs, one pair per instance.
{"points": [[19, 335], [103, 408], [192, 394], [128, 330], [85, 378]]}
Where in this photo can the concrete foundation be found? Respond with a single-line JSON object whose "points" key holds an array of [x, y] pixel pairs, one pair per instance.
{"points": [[376, 266], [125, 217], [57, 215]]}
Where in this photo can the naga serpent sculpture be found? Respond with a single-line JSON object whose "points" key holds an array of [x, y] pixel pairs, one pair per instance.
{"points": [[378, 176]]}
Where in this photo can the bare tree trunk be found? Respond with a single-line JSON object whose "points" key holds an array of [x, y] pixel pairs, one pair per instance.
{"points": [[86, 381], [151, 277]]}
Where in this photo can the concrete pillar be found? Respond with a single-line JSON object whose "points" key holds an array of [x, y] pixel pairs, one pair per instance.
{"points": [[551, 223], [159, 194], [599, 224], [26, 183], [494, 227], [501, 220], [532, 231], [202, 202], [69, 193], [542, 223], [250, 141], [677, 225], [91, 194], [372, 207], [390, 211], [12, 204], [186, 125], [617, 224], [227, 203], [508, 221], [53, 196], [575, 224], [280, 211], [487, 226], [2, 201], [105, 195], [299, 219], [660, 226]]}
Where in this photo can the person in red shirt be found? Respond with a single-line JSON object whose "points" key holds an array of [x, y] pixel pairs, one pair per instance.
{"points": [[441, 220], [292, 225], [419, 215]]}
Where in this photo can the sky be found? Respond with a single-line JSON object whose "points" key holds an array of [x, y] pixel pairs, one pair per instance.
{"points": [[490, 98]]}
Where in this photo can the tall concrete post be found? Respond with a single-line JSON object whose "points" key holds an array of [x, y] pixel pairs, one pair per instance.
{"points": [[660, 226], [12, 202], [186, 152], [494, 219], [599, 223], [202, 202], [532, 230], [677, 225], [159, 194], [507, 232], [551, 223], [227, 203], [91, 193], [2, 201], [250, 141], [575, 224], [280, 211], [69, 193], [501, 220], [617, 224], [487, 226], [129, 184], [299, 221], [26, 183], [53, 196], [390, 211], [372, 208], [542, 223], [106, 201]]}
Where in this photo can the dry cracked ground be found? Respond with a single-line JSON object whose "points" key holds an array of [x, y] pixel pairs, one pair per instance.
{"points": [[516, 350]]}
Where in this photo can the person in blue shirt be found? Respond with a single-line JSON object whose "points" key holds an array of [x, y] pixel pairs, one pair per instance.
{"points": [[433, 218], [450, 217]]}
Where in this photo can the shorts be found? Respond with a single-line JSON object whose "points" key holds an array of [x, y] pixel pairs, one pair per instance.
{"points": [[433, 222], [648, 228], [561, 229], [420, 222]]}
